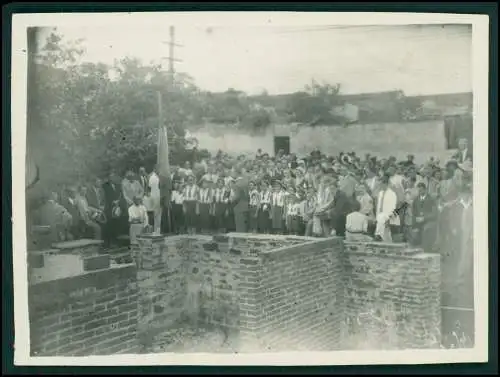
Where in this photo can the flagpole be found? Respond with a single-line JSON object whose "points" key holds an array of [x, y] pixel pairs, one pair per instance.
{"points": [[160, 126], [163, 160]]}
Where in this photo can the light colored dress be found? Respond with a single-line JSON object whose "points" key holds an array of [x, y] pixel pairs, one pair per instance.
{"points": [[137, 212]]}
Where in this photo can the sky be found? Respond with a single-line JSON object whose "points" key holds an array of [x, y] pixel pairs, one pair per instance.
{"points": [[423, 59]]}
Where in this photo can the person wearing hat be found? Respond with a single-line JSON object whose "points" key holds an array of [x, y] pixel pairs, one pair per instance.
{"points": [[190, 204]]}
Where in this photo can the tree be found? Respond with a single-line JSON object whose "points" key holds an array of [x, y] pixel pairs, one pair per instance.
{"points": [[82, 122], [314, 104]]}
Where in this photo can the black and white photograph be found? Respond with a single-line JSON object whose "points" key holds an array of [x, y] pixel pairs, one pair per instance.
{"points": [[219, 187]]}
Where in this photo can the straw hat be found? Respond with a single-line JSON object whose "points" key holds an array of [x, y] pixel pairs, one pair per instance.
{"points": [[466, 166]]}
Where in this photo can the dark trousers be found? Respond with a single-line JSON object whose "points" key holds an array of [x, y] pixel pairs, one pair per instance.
{"points": [[338, 223], [151, 218], [241, 221], [111, 230], [177, 218]]}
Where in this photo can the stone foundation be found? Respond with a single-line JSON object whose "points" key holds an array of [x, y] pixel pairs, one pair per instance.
{"points": [[265, 293]]}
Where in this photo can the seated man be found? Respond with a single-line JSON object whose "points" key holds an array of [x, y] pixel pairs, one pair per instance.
{"points": [[57, 217], [87, 213]]}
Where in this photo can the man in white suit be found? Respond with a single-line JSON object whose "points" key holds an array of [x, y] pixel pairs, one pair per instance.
{"points": [[386, 205]]}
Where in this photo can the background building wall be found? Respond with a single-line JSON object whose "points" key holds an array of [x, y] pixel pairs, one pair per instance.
{"points": [[423, 139]]}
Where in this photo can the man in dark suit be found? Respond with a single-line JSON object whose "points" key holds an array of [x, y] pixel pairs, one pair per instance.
{"points": [[340, 208], [241, 205], [95, 195], [112, 197], [424, 218]]}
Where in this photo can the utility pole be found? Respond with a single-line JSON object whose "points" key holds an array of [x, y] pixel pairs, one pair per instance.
{"points": [[171, 60], [171, 56]]}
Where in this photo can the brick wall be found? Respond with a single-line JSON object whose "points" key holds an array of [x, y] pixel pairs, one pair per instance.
{"points": [[94, 313], [272, 293], [294, 298], [281, 293], [161, 281], [196, 280], [392, 296]]}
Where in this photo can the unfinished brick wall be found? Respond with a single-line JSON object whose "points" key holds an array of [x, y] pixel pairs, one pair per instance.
{"points": [[392, 296], [292, 293], [94, 313], [273, 293], [265, 287], [294, 298], [195, 280], [161, 281]]}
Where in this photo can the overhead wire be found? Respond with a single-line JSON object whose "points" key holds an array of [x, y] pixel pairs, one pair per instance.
{"points": [[363, 29]]}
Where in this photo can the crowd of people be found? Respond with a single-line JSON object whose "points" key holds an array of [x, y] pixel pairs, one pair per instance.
{"points": [[359, 198]]}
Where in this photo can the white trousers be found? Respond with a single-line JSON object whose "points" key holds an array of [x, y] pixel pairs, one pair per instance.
{"points": [[382, 228], [157, 211]]}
